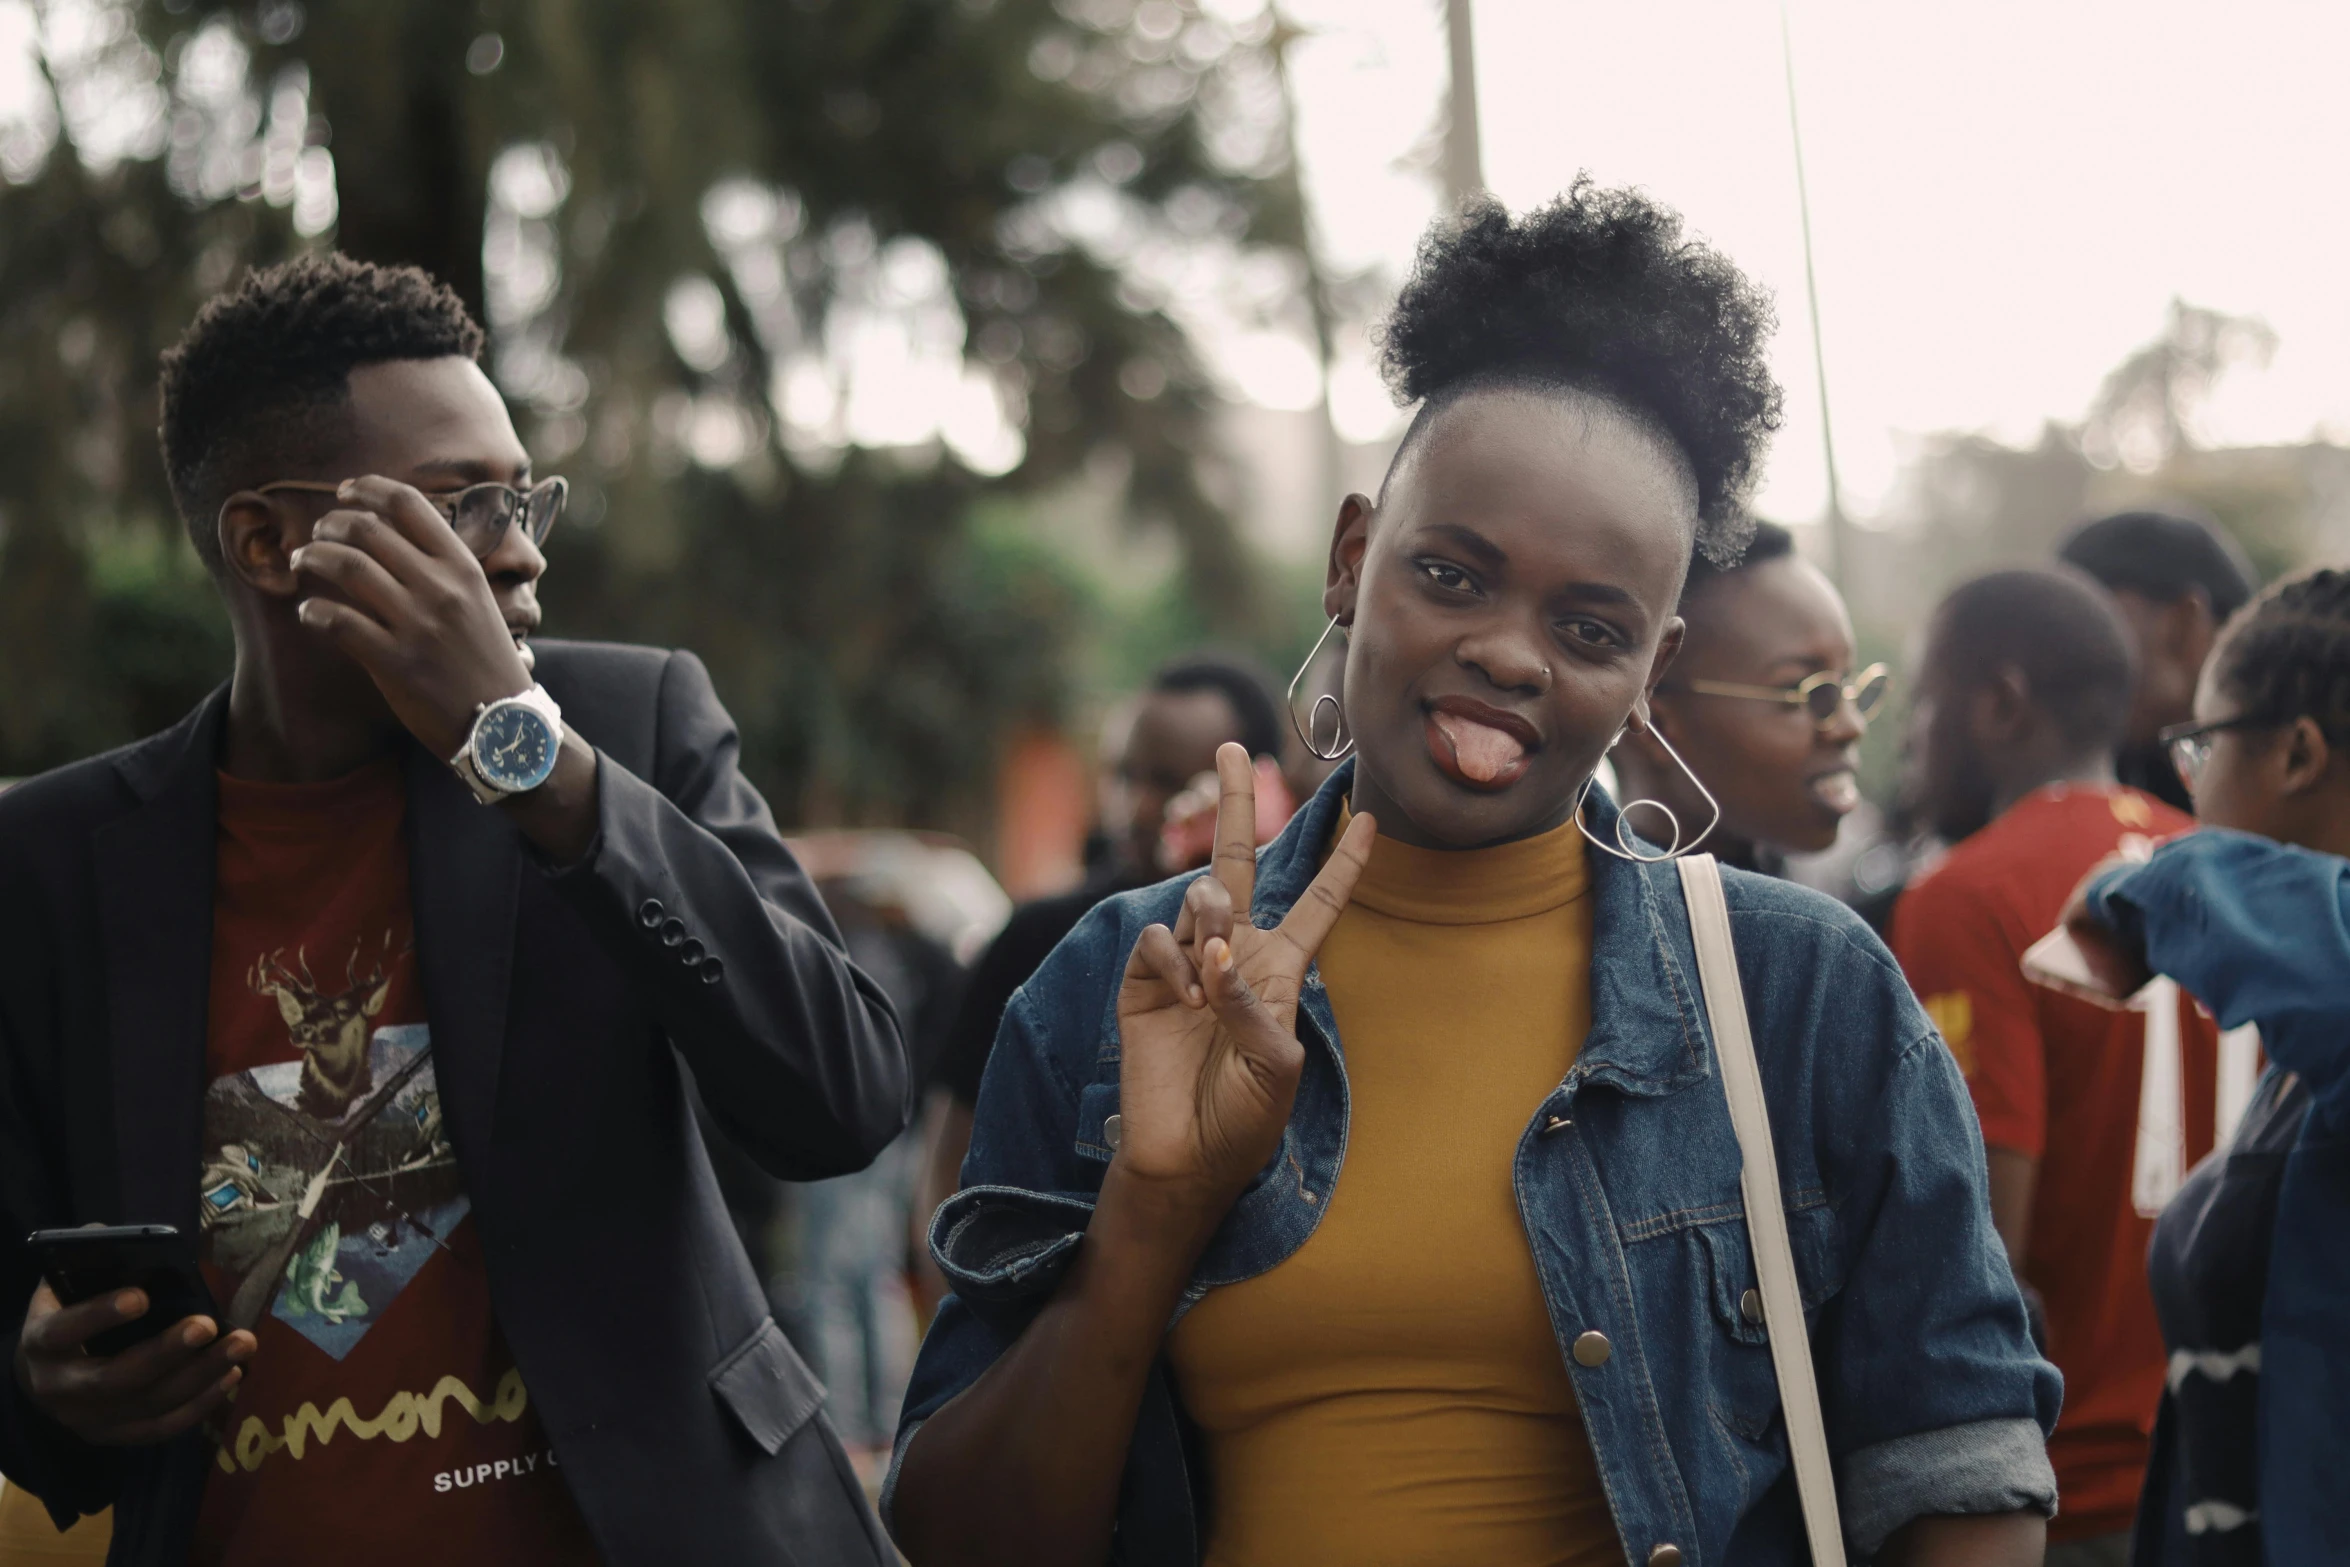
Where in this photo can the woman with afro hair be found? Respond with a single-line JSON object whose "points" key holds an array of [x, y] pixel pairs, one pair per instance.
{"points": [[1374, 1200]]}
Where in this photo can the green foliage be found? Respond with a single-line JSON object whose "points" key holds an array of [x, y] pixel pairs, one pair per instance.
{"points": [[1030, 180]]}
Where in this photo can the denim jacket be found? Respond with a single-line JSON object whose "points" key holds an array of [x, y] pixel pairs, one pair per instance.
{"points": [[2260, 933], [1627, 1178]]}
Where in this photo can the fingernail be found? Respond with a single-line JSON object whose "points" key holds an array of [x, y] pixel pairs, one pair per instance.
{"points": [[199, 1333], [344, 489], [1195, 995], [295, 560], [127, 1303], [1223, 955]]}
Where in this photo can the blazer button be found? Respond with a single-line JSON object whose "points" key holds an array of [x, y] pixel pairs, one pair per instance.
{"points": [[1592, 1350], [712, 971], [1750, 1307], [649, 912], [692, 953], [1665, 1556], [672, 931]]}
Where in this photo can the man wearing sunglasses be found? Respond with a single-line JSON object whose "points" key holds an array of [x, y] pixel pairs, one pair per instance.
{"points": [[1764, 705], [379, 976], [2090, 1116]]}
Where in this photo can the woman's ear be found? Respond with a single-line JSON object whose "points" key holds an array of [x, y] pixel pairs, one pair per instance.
{"points": [[1668, 648], [256, 539], [1350, 541], [2304, 754]]}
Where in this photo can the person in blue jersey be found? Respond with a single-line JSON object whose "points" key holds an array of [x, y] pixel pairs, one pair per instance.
{"points": [[2251, 1278]]}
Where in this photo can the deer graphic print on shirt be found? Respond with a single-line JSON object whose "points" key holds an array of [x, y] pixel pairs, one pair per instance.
{"points": [[336, 1224]]}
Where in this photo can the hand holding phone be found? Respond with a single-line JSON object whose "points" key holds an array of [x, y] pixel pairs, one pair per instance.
{"points": [[168, 1368], [2082, 956]]}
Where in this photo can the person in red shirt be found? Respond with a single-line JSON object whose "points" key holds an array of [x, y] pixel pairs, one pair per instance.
{"points": [[2090, 1116]]}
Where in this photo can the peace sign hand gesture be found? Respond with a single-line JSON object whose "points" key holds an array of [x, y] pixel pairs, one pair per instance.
{"points": [[1207, 1013]]}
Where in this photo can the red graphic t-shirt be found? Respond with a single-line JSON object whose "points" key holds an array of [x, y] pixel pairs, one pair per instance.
{"points": [[2065, 1081], [382, 1419]]}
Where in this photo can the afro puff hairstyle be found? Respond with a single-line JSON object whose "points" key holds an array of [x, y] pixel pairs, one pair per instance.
{"points": [[1599, 292], [264, 371]]}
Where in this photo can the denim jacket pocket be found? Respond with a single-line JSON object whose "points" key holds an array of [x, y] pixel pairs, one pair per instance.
{"points": [[1749, 1400], [1095, 1106]]}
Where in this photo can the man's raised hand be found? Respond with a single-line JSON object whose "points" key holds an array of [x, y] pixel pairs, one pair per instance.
{"points": [[411, 604], [1207, 1013]]}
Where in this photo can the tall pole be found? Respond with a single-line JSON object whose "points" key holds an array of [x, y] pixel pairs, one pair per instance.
{"points": [[1464, 156], [1839, 536]]}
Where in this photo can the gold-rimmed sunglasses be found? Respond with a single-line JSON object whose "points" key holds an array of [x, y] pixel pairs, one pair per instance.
{"points": [[1823, 695], [479, 514]]}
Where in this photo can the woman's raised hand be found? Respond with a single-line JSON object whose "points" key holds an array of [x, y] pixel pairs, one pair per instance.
{"points": [[1207, 1015]]}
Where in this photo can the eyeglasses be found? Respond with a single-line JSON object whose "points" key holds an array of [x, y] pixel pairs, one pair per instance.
{"points": [[479, 514], [2190, 744], [1823, 694]]}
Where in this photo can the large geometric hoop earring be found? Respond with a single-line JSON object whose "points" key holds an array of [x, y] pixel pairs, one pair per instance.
{"points": [[1624, 848], [1340, 741]]}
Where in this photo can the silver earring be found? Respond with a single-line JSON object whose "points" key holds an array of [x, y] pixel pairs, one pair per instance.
{"points": [[1341, 742], [1624, 848]]}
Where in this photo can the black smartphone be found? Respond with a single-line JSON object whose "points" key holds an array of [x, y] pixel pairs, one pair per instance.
{"points": [[83, 1264]]}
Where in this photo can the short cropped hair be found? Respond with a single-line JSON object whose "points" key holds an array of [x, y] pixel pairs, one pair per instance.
{"points": [[261, 379], [2061, 630], [1241, 684], [1598, 292], [2165, 555], [1770, 542]]}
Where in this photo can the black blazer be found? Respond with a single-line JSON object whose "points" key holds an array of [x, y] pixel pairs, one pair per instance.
{"points": [[688, 1428]]}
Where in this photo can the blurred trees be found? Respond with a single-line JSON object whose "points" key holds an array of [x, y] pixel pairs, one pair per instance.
{"points": [[1967, 503], [806, 297]]}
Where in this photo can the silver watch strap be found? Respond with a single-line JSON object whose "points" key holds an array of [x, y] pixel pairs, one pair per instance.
{"points": [[463, 764]]}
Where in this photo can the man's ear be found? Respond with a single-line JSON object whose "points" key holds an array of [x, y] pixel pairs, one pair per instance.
{"points": [[1350, 541], [2304, 754], [2189, 627], [2000, 710], [256, 540]]}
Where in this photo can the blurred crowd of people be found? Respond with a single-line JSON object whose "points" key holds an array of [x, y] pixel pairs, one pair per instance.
{"points": [[1089, 1235]]}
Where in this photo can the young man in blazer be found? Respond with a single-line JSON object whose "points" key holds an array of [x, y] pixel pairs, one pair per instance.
{"points": [[373, 976]]}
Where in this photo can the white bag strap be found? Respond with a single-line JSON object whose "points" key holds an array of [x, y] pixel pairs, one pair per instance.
{"points": [[1766, 1209]]}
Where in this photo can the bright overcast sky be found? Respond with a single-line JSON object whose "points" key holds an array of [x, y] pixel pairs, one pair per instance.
{"points": [[2004, 196]]}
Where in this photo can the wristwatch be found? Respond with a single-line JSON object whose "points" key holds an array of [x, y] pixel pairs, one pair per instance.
{"points": [[512, 746]]}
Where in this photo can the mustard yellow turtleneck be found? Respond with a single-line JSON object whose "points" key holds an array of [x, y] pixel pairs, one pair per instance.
{"points": [[1392, 1395]]}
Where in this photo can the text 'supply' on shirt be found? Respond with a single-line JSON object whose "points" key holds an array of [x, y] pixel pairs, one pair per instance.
{"points": [[382, 1418], [2065, 1082]]}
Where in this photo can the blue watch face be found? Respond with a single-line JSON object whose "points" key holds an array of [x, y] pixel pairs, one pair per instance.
{"points": [[514, 748]]}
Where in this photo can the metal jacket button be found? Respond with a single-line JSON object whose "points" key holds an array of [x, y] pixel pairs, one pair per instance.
{"points": [[1557, 1123], [1665, 1556], [1750, 1307], [1112, 1130], [649, 912], [1592, 1349]]}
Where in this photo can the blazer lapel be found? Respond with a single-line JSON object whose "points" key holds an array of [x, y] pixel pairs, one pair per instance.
{"points": [[155, 871], [465, 869]]}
